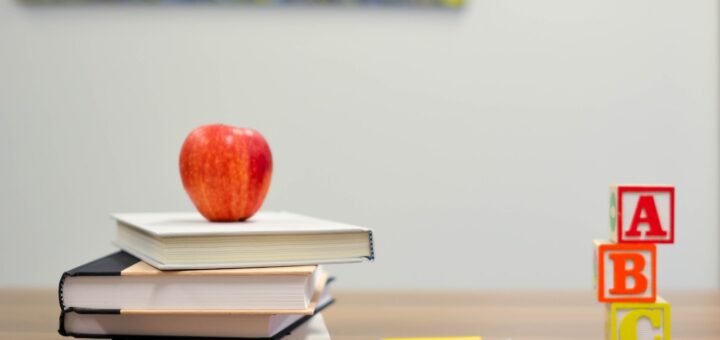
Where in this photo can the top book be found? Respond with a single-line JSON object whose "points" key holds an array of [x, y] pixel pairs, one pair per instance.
{"points": [[174, 241]]}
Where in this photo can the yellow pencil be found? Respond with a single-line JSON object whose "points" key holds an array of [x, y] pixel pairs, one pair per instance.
{"points": [[441, 338]]}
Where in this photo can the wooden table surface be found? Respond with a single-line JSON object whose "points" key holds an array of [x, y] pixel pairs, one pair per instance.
{"points": [[363, 315]]}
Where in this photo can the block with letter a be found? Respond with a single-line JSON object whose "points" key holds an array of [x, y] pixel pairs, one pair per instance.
{"points": [[625, 272], [642, 214], [638, 321]]}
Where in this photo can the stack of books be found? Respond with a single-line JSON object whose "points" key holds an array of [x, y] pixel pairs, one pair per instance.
{"points": [[179, 275]]}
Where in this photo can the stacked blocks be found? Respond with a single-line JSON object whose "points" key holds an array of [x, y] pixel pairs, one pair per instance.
{"points": [[626, 266]]}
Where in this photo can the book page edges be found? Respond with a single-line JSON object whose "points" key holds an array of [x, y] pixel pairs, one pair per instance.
{"points": [[319, 288], [144, 269]]}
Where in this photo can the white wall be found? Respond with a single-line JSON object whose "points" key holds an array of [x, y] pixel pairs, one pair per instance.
{"points": [[479, 144]]}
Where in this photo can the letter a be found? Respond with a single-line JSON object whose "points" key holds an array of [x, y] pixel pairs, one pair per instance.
{"points": [[646, 212]]}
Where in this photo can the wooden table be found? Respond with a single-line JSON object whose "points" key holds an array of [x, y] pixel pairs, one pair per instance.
{"points": [[496, 315]]}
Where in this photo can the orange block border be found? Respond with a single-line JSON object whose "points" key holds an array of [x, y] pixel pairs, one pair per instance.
{"points": [[626, 247]]}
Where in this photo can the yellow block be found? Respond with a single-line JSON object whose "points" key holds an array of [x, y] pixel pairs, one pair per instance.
{"points": [[442, 338], [623, 319]]}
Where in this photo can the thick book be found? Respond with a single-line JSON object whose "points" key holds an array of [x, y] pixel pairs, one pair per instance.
{"points": [[110, 324], [121, 281], [174, 241]]}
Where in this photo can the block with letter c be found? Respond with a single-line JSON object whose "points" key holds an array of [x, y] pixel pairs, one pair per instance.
{"points": [[638, 321]]}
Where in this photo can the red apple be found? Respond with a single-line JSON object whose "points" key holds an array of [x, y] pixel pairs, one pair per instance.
{"points": [[226, 171]]}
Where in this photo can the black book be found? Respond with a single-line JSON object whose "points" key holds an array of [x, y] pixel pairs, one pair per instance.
{"points": [[91, 307]]}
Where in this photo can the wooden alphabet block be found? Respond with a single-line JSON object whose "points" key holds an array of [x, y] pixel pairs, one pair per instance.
{"points": [[638, 321], [625, 272], [642, 214]]}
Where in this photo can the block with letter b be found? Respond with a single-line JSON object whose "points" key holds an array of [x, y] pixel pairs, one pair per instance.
{"points": [[642, 214], [638, 321], [625, 272]]}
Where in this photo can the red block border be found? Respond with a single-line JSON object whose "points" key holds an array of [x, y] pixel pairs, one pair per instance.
{"points": [[650, 188]]}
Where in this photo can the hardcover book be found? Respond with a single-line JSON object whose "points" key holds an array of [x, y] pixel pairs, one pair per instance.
{"points": [[173, 241], [121, 281], [106, 324]]}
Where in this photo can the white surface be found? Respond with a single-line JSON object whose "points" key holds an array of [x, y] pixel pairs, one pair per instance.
{"points": [[193, 224], [490, 134]]}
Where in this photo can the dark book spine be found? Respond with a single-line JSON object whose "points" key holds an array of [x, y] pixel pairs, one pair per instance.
{"points": [[372, 246], [110, 265], [61, 285]]}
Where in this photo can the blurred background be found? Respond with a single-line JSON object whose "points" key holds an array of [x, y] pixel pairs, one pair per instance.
{"points": [[478, 142]]}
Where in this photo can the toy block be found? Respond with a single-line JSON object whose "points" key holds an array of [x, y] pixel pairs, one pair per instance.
{"points": [[625, 272], [642, 214], [638, 321]]}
